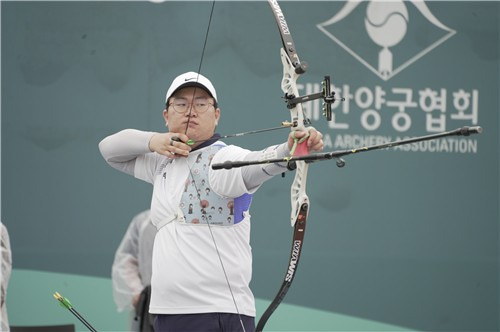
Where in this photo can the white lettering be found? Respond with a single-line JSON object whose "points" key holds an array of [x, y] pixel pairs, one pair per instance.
{"points": [[293, 261], [375, 123], [281, 18]]}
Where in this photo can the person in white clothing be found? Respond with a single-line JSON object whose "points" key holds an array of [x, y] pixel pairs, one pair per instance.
{"points": [[202, 261], [131, 270]]}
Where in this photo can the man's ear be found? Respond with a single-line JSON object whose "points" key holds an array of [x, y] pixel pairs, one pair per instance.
{"points": [[165, 116], [217, 116]]}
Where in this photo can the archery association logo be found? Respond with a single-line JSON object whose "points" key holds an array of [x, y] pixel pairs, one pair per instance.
{"points": [[379, 34]]}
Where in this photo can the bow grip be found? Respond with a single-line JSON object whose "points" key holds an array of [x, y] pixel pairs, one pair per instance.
{"points": [[302, 149]]}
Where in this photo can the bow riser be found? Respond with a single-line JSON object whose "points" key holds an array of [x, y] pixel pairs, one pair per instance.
{"points": [[298, 195]]}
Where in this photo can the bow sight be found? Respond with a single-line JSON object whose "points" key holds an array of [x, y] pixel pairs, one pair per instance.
{"points": [[326, 94]]}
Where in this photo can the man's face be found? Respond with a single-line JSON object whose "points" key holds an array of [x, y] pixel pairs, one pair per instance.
{"points": [[192, 109]]}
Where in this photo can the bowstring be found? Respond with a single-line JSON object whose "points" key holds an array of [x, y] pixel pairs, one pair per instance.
{"points": [[194, 181]]}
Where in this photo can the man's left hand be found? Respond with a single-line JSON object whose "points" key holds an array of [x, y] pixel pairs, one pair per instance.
{"points": [[314, 141]]}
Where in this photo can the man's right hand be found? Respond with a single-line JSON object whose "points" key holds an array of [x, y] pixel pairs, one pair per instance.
{"points": [[170, 144]]}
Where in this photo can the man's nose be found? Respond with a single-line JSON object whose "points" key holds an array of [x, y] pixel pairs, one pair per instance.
{"points": [[191, 111]]}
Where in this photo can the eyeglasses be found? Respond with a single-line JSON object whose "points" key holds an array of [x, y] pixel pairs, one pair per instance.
{"points": [[181, 106]]}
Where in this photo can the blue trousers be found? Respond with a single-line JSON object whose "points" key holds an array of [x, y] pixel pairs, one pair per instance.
{"points": [[206, 322]]}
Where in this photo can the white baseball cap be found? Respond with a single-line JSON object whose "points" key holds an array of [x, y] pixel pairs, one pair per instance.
{"points": [[191, 79]]}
